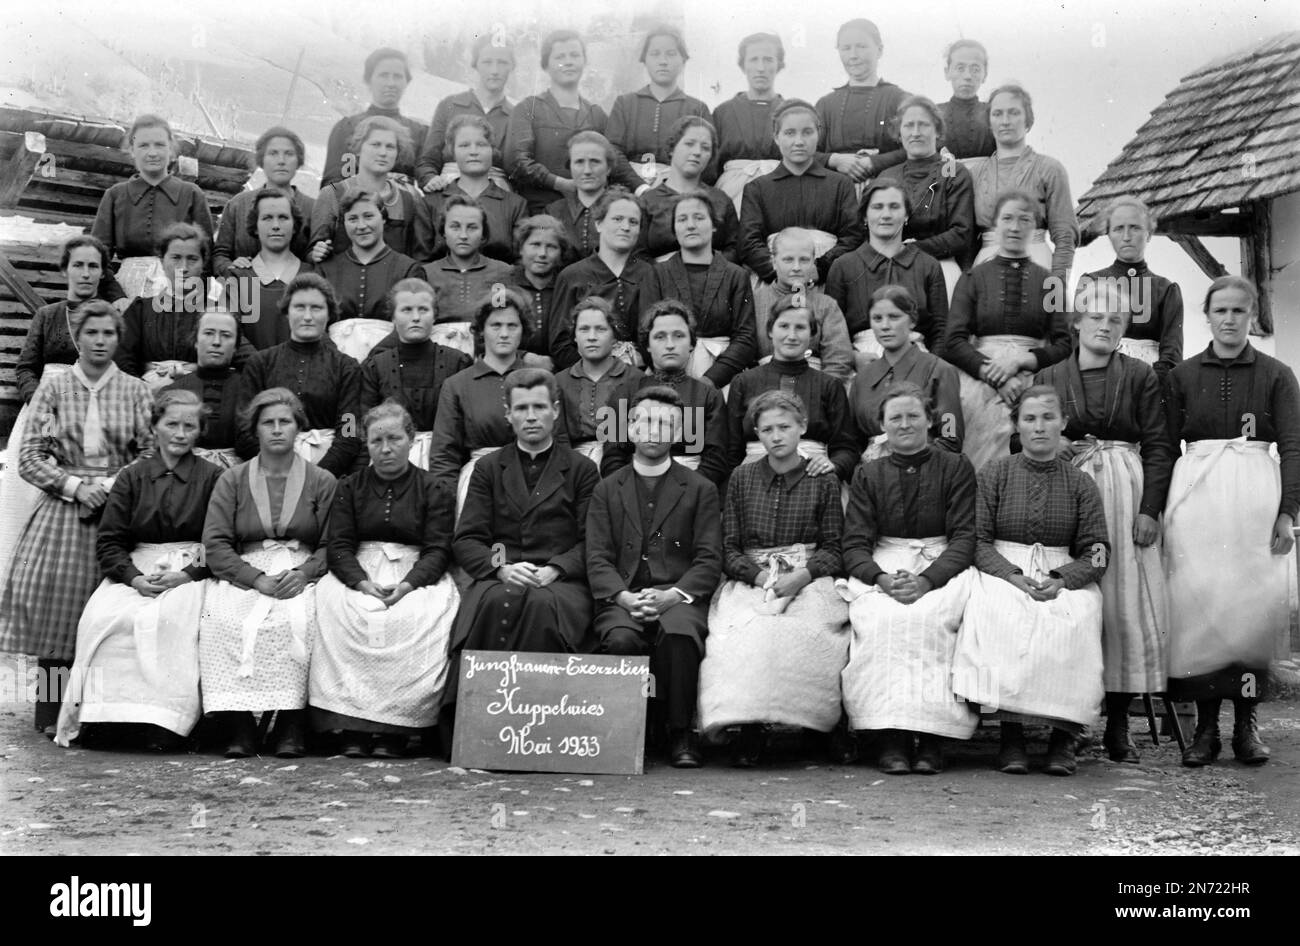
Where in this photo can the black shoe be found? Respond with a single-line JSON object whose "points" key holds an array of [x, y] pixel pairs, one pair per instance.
{"points": [[288, 736], [1117, 741], [1245, 735], [1060, 754], [1013, 758], [748, 746], [354, 745], [894, 746], [157, 739], [929, 755], [1206, 744], [842, 747], [683, 752], [389, 746], [243, 736]]}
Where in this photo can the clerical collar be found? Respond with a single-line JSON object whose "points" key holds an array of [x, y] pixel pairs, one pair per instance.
{"points": [[645, 468], [540, 454]]}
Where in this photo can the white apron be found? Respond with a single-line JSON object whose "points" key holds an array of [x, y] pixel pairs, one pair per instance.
{"points": [[705, 354], [356, 337], [312, 445], [224, 457], [740, 171], [988, 419], [1143, 349], [823, 241], [421, 447], [159, 374], [462, 483], [141, 276], [457, 335], [593, 450]]}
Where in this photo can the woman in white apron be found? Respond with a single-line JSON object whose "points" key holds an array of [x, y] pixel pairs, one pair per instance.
{"points": [[386, 608], [137, 656], [1029, 650], [777, 628], [909, 543], [692, 143], [264, 539], [1115, 432], [1005, 324], [586, 387], [1229, 522], [746, 149]]}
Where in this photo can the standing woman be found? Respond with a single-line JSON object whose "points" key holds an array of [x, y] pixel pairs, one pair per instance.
{"points": [[263, 537], [387, 73], [1016, 166], [540, 244], [717, 290], [462, 277], [1029, 649], [859, 138], [279, 153], [1154, 331], [492, 61], [586, 387], [777, 641], [1115, 421], [138, 637], [1001, 329], [744, 123], [893, 321], [1228, 611], [86, 424], [133, 214], [591, 159], [909, 542], [641, 123], [386, 608], [253, 287], [692, 143]]}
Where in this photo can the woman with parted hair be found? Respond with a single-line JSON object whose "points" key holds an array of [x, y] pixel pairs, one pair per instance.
{"points": [[744, 123], [586, 387], [280, 153], [541, 246], [464, 275], [387, 73], [692, 146]]}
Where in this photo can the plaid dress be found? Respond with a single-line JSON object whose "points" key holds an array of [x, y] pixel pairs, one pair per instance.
{"points": [[55, 570]]}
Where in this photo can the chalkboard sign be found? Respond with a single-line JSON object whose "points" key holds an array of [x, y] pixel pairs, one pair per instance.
{"points": [[551, 712]]}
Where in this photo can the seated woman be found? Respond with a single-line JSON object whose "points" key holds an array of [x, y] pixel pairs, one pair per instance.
{"points": [[325, 383], [801, 192], [471, 419], [216, 384], [540, 244], [885, 260], [942, 221], [893, 321], [137, 655], [380, 144], [745, 146], [641, 122], [1229, 521], [1029, 649], [591, 157], [829, 438], [264, 537], [254, 286], [777, 627], [585, 388], [909, 542], [614, 273], [133, 214], [386, 608], [718, 292], [1016, 166], [279, 153], [1003, 327], [94, 421], [412, 372], [692, 143], [858, 138], [469, 137], [464, 276]]}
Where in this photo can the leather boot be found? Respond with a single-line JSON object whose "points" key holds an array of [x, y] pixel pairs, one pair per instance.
{"points": [[1245, 737], [929, 755], [747, 749], [1060, 754], [1013, 758], [354, 745], [1116, 740], [895, 746], [288, 736], [1206, 745], [242, 736]]}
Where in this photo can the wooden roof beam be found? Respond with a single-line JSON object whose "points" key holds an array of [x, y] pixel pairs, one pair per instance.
{"points": [[20, 167], [19, 286], [1200, 255]]}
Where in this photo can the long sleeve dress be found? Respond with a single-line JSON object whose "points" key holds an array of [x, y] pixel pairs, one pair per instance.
{"points": [[726, 340], [586, 420], [630, 293], [914, 513], [365, 317], [254, 650], [132, 215], [159, 338], [1155, 326], [859, 117], [943, 208], [137, 657], [340, 139], [412, 374], [437, 153], [966, 131], [399, 225], [378, 669], [233, 240], [938, 379], [255, 292], [502, 209], [817, 199], [540, 301], [219, 389], [856, 275], [831, 346], [1035, 660], [1228, 593], [770, 659], [640, 124], [1044, 178], [746, 149], [704, 427], [658, 236]]}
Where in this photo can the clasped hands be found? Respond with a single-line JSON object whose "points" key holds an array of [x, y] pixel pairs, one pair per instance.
{"points": [[903, 586], [388, 594], [286, 584], [648, 604], [527, 575]]}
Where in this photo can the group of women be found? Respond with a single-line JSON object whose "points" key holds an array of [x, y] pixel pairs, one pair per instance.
{"points": [[950, 489]]}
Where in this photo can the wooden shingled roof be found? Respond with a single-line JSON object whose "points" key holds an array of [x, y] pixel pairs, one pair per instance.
{"points": [[1227, 136]]}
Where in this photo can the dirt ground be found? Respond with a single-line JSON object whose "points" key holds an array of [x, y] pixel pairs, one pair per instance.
{"points": [[76, 801]]}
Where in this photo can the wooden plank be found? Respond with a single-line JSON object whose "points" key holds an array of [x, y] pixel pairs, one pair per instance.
{"points": [[1218, 225], [99, 159], [1257, 264], [18, 170], [17, 284], [1200, 255]]}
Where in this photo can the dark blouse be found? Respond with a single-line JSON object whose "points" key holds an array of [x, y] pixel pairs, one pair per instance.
{"points": [[1155, 308], [630, 293], [149, 503], [1046, 502], [159, 328], [539, 308], [48, 342], [855, 117], [471, 415], [724, 308], [1006, 297], [966, 130], [362, 288], [219, 389], [1131, 411], [829, 419], [927, 494], [258, 303], [437, 153], [580, 226], [581, 400], [943, 207], [412, 375], [658, 236], [640, 124], [399, 219], [819, 199], [931, 374], [458, 293], [133, 214], [414, 509], [502, 209], [326, 381], [341, 138], [1254, 395], [765, 509], [703, 407], [233, 239], [855, 276], [745, 129]]}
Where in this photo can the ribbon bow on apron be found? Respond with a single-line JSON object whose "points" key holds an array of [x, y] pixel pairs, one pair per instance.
{"points": [[261, 610]]}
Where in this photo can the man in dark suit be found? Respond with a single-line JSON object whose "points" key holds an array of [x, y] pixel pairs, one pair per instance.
{"points": [[654, 557]]}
